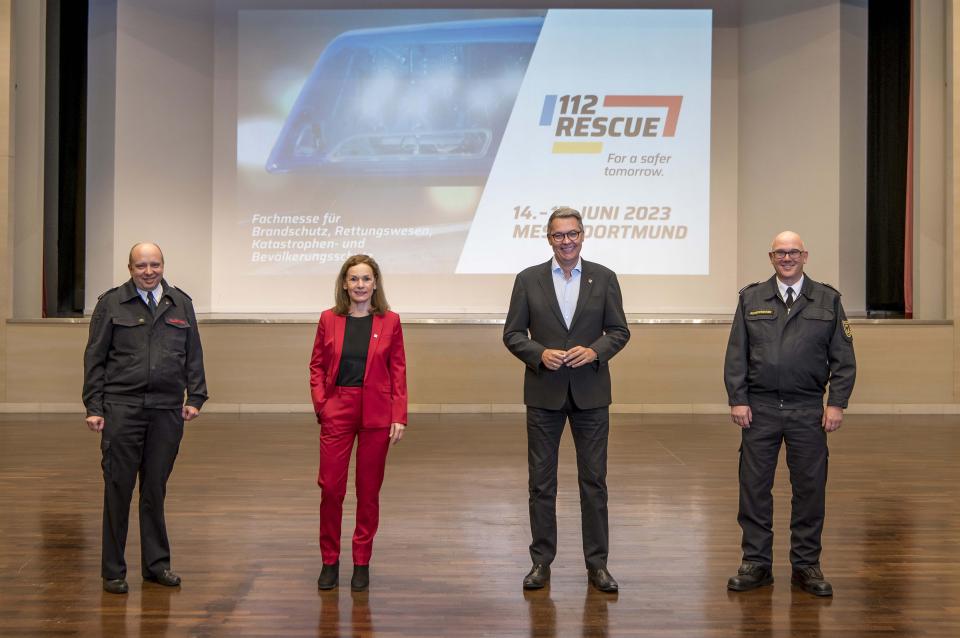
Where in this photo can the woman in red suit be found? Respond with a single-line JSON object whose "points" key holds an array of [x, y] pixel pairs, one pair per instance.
{"points": [[358, 382]]}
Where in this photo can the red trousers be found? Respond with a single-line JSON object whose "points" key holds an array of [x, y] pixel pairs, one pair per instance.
{"points": [[342, 422]]}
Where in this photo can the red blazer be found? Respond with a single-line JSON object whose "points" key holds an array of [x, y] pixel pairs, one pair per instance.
{"points": [[385, 377]]}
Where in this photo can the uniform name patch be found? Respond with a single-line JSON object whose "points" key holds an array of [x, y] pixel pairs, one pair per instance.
{"points": [[754, 313]]}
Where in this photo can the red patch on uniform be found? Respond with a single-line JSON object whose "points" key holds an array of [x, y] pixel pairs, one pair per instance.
{"points": [[177, 322]]}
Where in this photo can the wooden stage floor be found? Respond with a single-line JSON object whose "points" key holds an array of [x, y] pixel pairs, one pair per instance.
{"points": [[452, 547]]}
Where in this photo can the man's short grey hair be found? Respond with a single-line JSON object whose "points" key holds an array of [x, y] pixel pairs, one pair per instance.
{"points": [[565, 212]]}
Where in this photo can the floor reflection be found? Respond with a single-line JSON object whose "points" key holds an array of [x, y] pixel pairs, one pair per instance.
{"points": [[361, 621], [542, 613], [155, 609], [805, 612], [595, 620], [361, 617], [113, 615], [328, 623], [756, 612]]}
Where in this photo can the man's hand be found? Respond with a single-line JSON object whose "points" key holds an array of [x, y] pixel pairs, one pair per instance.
{"points": [[553, 359], [95, 423], [578, 356], [742, 415], [189, 413], [832, 418]]}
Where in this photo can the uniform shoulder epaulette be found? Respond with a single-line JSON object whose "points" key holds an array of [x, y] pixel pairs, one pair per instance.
{"points": [[756, 283], [106, 292], [825, 284], [182, 292]]}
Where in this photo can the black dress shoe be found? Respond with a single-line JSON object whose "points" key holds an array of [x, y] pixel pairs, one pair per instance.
{"points": [[810, 580], [602, 580], [329, 576], [167, 578], [750, 576], [361, 578], [538, 577], [115, 585]]}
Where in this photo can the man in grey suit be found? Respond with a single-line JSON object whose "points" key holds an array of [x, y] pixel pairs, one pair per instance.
{"points": [[565, 323]]}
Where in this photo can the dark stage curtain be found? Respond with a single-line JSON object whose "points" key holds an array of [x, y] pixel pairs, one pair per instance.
{"points": [[65, 158], [888, 135]]}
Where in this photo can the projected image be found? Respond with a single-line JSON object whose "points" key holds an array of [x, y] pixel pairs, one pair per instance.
{"points": [[439, 141], [429, 99]]}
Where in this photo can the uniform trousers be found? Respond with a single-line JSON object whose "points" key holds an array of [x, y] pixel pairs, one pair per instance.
{"points": [[137, 442], [590, 429], [806, 442], [343, 422]]}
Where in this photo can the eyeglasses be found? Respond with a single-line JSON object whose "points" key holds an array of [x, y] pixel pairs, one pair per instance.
{"points": [[570, 234], [780, 255]]}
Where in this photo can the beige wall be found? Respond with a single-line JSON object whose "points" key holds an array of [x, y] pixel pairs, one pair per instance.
{"points": [[665, 367], [6, 237], [156, 135], [929, 147], [27, 64], [790, 148], [953, 194], [853, 155]]}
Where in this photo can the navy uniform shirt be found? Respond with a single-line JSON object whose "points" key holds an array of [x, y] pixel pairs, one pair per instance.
{"points": [[135, 358], [787, 359]]}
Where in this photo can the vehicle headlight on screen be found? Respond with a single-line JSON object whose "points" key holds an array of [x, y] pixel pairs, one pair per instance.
{"points": [[430, 99]]}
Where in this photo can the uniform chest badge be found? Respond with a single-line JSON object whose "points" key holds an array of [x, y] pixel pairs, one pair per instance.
{"points": [[756, 313]]}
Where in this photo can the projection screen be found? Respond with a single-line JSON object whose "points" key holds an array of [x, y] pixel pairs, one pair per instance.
{"points": [[439, 141]]}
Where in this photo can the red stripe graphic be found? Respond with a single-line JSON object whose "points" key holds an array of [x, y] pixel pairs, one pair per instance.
{"points": [[670, 102]]}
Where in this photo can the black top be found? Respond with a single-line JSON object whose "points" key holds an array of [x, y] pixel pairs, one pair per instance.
{"points": [[353, 361]]}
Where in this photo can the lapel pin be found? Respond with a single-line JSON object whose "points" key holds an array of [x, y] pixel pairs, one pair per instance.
{"points": [[375, 335], [589, 281]]}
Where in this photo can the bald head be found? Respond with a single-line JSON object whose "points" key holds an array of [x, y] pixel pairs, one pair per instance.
{"points": [[788, 255], [146, 265], [143, 245], [787, 238]]}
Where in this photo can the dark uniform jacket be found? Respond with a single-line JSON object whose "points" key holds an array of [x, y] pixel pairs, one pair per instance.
{"points": [[535, 323], [786, 360], [134, 358]]}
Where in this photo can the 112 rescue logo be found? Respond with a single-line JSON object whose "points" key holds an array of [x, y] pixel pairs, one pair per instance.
{"points": [[578, 118]]}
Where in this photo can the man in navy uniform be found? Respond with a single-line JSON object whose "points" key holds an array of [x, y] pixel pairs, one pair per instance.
{"points": [[790, 339], [143, 377]]}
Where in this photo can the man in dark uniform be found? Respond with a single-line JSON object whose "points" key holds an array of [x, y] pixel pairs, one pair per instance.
{"points": [[790, 338], [566, 322], [142, 356]]}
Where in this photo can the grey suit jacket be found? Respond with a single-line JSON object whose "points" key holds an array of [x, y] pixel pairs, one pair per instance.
{"points": [[534, 323]]}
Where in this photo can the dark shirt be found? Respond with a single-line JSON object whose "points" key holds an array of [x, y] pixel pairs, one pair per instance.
{"points": [[787, 359], [135, 358], [353, 360]]}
